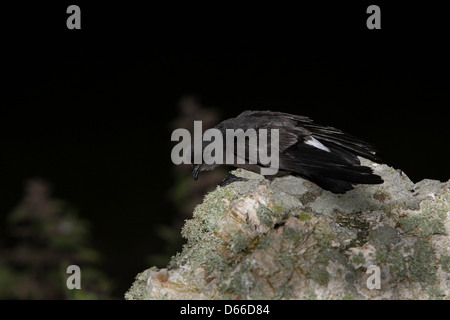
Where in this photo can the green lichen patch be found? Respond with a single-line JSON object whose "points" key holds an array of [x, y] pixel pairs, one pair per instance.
{"points": [[242, 284], [284, 290], [138, 290], [429, 221], [323, 234], [203, 247], [277, 210], [238, 243], [348, 296], [435, 293], [293, 235], [398, 262], [423, 263], [286, 201], [310, 294], [383, 239], [323, 258], [269, 215], [381, 254], [359, 258], [208, 255], [416, 263], [445, 263], [304, 217], [320, 275], [264, 243], [286, 259], [207, 215], [265, 216]]}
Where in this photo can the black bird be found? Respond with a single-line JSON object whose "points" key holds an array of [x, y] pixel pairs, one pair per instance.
{"points": [[321, 154]]}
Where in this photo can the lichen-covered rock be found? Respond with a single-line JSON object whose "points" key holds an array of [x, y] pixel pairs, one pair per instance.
{"points": [[289, 239]]}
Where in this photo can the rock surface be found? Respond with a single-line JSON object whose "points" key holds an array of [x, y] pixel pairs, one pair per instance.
{"points": [[289, 239]]}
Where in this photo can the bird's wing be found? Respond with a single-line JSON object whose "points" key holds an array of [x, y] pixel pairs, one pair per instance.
{"points": [[304, 128], [329, 157], [289, 132], [342, 142], [325, 155]]}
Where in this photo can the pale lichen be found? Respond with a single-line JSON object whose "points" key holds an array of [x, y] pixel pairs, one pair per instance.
{"points": [[288, 239], [428, 221]]}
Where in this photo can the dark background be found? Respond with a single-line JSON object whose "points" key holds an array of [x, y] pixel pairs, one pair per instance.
{"points": [[89, 110]]}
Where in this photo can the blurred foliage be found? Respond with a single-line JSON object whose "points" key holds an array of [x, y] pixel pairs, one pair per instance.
{"points": [[186, 193], [46, 236]]}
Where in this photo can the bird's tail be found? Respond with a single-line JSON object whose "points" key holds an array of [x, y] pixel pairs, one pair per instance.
{"points": [[335, 170], [341, 179]]}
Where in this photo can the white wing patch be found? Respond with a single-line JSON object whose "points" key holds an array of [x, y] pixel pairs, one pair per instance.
{"points": [[316, 143]]}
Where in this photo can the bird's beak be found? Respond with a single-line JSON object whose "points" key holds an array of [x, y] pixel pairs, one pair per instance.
{"points": [[195, 172]]}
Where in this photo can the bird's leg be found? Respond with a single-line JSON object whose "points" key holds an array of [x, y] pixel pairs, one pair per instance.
{"points": [[230, 178]]}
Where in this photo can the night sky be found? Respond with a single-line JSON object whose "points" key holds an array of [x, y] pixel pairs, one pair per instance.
{"points": [[89, 110]]}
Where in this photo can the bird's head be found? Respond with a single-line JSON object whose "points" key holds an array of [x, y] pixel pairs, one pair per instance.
{"points": [[197, 168]]}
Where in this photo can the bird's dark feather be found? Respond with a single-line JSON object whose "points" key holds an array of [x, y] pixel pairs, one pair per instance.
{"points": [[335, 171]]}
